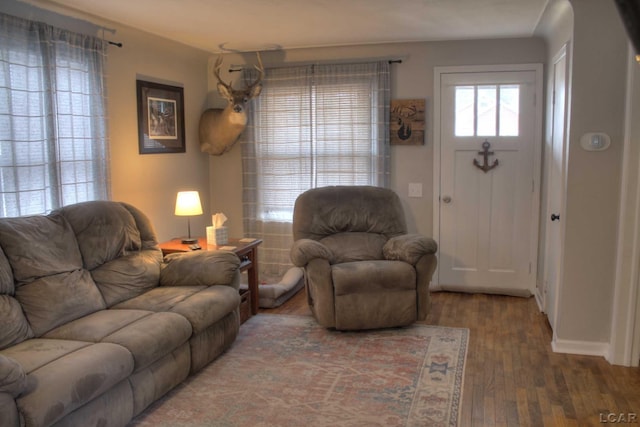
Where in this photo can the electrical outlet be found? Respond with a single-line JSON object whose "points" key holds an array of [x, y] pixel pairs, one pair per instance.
{"points": [[415, 189]]}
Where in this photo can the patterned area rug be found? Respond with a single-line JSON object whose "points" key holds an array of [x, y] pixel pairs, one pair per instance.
{"points": [[288, 371]]}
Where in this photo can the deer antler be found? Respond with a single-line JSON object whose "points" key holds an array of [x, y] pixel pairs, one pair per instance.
{"points": [[260, 69], [216, 72]]}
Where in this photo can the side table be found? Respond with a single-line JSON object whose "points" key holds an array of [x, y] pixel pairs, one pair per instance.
{"points": [[246, 249]]}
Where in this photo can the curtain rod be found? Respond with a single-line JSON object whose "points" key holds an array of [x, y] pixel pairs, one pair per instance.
{"points": [[237, 68], [111, 30]]}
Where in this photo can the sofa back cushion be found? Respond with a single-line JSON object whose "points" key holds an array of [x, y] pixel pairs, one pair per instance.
{"points": [[118, 246], [323, 211], [50, 283], [39, 246], [104, 231], [145, 228], [15, 327]]}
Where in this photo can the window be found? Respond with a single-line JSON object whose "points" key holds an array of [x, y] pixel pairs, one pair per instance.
{"points": [[311, 126], [53, 145], [331, 146], [487, 110], [320, 129]]}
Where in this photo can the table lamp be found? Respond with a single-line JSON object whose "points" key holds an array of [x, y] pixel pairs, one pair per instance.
{"points": [[188, 204]]}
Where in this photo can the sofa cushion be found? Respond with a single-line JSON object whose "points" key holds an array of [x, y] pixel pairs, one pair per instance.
{"points": [[46, 263], [39, 246], [355, 246], [202, 306], [8, 410], [6, 275], [67, 383], [372, 276], [13, 380], [159, 299], [15, 327], [128, 276], [57, 299], [374, 294], [208, 306], [145, 227], [114, 407], [35, 353], [104, 230], [147, 335]]}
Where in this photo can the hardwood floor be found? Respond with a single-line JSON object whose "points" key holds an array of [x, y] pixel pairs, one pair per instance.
{"points": [[512, 376]]}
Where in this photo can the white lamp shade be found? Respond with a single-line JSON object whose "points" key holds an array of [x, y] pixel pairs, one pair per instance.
{"points": [[188, 203]]}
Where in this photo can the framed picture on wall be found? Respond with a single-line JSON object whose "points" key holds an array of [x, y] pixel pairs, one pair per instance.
{"points": [[407, 125], [160, 118]]}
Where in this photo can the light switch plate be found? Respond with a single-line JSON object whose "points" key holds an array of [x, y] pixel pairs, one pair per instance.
{"points": [[415, 189]]}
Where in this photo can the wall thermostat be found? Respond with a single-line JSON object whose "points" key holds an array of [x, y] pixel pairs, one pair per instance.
{"points": [[595, 141]]}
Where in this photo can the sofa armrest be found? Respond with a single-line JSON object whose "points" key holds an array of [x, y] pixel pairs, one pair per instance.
{"points": [[199, 268], [13, 380], [304, 250], [409, 248]]}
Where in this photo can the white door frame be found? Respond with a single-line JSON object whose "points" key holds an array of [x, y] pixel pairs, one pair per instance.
{"points": [[542, 299], [624, 345], [537, 150]]}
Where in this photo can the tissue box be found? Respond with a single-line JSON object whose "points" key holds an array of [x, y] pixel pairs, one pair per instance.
{"points": [[217, 236]]}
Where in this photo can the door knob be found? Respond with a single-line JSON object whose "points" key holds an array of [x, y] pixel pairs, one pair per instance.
{"points": [[555, 217], [446, 199]]}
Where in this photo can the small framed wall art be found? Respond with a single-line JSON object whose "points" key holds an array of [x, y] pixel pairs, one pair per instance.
{"points": [[407, 124], [160, 118]]}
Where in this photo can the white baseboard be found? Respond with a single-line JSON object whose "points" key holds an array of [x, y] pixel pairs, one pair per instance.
{"points": [[539, 300], [585, 348]]}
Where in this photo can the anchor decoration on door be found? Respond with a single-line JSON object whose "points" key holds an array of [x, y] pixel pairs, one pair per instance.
{"points": [[485, 153]]}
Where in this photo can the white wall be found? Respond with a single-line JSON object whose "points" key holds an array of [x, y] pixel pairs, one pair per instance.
{"points": [[151, 181], [413, 78]]}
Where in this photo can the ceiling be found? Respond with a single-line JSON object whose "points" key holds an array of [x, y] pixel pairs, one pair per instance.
{"points": [[249, 25]]}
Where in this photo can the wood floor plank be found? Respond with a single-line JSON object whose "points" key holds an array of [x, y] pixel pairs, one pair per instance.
{"points": [[512, 376]]}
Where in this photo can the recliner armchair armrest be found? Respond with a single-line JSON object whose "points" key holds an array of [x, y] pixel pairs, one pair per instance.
{"points": [[13, 379], [199, 268], [409, 248], [304, 250]]}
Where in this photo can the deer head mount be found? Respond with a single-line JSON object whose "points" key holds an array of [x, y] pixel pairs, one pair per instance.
{"points": [[220, 128]]}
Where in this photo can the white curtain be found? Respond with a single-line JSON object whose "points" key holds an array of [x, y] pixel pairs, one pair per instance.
{"points": [[53, 139], [311, 126]]}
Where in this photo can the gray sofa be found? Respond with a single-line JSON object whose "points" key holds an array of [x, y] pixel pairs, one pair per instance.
{"points": [[95, 324], [361, 268]]}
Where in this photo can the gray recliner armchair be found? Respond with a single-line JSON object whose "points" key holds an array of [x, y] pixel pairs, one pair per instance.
{"points": [[361, 268]]}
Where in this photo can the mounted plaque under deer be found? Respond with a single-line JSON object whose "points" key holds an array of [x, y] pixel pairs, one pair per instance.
{"points": [[220, 128]]}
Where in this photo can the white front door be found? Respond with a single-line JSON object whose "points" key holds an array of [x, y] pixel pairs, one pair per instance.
{"points": [[489, 192]]}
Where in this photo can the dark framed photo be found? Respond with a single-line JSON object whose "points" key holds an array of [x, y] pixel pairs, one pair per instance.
{"points": [[160, 118]]}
